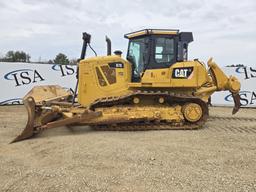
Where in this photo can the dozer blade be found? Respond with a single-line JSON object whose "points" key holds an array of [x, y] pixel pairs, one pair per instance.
{"points": [[47, 93], [34, 101], [236, 98], [29, 129]]}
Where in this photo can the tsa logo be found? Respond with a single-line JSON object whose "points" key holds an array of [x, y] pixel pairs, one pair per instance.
{"points": [[24, 76], [65, 70]]}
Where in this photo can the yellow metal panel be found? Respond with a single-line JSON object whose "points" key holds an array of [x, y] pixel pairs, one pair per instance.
{"points": [[89, 88], [163, 77], [196, 79], [161, 32], [156, 76]]}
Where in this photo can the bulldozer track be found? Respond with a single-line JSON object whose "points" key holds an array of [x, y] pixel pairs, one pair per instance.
{"points": [[214, 124], [170, 98], [137, 127]]}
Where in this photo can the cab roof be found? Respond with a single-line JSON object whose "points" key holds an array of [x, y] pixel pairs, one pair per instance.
{"points": [[150, 32]]}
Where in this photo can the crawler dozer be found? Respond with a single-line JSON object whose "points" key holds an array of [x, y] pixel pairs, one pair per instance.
{"points": [[155, 87]]}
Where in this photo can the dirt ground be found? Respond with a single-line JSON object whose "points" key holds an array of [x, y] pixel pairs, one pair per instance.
{"points": [[219, 157]]}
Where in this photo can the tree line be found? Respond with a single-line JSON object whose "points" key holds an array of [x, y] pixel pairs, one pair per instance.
{"points": [[21, 56]]}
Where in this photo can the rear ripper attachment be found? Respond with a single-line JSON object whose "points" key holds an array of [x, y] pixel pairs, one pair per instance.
{"points": [[222, 82]]}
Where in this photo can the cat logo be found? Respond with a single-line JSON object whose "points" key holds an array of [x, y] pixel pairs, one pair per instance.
{"points": [[182, 73]]}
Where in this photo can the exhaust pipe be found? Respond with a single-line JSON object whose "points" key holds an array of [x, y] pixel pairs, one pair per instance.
{"points": [[86, 41], [108, 45]]}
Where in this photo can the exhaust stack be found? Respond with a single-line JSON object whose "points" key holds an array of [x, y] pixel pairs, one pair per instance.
{"points": [[87, 40], [108, 45]]}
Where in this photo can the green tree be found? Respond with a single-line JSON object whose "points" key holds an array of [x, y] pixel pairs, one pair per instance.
{"points": [[16, 56], [50, 62], [61, 59]]}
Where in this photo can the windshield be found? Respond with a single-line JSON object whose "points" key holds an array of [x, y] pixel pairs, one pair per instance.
{"points": [[137, 54]]}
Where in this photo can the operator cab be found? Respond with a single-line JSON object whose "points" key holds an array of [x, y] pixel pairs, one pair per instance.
{"points": [[156, 49]]}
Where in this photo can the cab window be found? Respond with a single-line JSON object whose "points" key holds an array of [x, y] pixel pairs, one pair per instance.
{"points": [[164, 50]]}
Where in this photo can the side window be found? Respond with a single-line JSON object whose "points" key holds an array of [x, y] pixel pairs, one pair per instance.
{"points": [[164, 50]]}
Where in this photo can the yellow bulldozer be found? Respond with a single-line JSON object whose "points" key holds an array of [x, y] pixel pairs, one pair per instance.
{"points": [[155, 87]]}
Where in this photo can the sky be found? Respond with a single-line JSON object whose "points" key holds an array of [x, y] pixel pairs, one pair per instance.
{"points": [[222, 29]]}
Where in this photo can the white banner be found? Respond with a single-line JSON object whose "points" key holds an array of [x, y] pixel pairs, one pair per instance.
{"points": [[18, 78]]}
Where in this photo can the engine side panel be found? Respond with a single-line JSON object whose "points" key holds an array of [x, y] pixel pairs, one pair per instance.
{"points": [[189, 74], [102, 77]]}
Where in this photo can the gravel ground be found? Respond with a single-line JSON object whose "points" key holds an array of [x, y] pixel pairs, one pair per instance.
{"points": [[219, 157]]}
